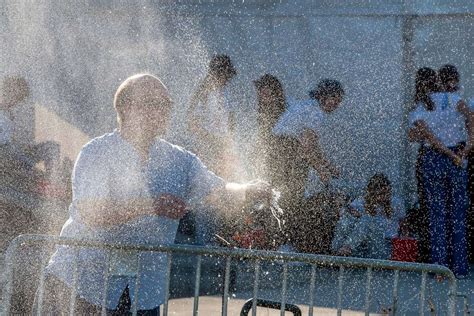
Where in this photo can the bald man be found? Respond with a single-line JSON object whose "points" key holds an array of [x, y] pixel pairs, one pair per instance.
{"points": [[131, 186]]}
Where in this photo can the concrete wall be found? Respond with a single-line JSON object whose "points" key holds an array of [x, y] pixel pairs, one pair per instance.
{"points": [[76, 54]]}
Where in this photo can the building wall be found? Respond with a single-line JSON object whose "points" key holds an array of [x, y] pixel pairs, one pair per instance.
{"points": [[76, 54]]}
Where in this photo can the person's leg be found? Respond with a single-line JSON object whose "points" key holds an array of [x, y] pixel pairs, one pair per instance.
{"points": [[458, 218], [435, 193]]}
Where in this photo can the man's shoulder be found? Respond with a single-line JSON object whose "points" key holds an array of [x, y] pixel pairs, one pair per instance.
{"points": [[99, 144], [164, 145]]}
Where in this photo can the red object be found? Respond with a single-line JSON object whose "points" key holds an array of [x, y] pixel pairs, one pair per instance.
{"points": [[405, 249]]}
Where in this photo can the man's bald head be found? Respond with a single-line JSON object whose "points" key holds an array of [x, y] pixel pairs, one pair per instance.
{"points": [[141, 91]]}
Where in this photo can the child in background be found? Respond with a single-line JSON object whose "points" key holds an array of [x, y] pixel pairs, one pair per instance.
{"points": [[375, 221]]}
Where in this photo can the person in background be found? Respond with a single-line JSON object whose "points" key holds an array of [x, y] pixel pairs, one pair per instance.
{"points": [[17, 172], [211, 119], [445, 132], [132, 186], [426, 82], [14, 91], [308, 122], [211, 124], [375, 222], [276, 158]]}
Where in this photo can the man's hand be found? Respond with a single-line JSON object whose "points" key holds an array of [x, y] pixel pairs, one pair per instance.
{"points": [[170, 206], [258, 192]]}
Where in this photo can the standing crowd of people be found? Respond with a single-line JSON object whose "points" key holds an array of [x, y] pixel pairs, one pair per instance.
{"points": [[133, 186]]}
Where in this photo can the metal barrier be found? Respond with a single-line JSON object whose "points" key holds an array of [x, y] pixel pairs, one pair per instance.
{"points": [[257, 257]]}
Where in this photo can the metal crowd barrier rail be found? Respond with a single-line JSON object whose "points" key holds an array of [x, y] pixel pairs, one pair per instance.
{"points": [[257, 257]]}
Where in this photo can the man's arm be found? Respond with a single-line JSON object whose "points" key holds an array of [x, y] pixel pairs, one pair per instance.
{"points": [[103, 212], [112, 212], [92, 197], [236, 195], [207, 188]]}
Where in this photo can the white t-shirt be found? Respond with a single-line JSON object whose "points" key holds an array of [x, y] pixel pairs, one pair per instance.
{"points": [[109, 167], [445, 121], [6, 128], [214, 114], [307, 115]]}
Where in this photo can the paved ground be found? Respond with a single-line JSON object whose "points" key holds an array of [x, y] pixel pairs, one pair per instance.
{"points": [[209, 305]]}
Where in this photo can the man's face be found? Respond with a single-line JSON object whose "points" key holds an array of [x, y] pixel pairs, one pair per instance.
{"points": [[150, 109], [154, 118]]}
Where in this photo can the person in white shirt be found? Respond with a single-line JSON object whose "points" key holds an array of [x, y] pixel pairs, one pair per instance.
{"points": [[372, 222], [307, 121], [211, 124], [131, 186], [444, 128], [310, 123], [275, 158], [210, 117]]}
